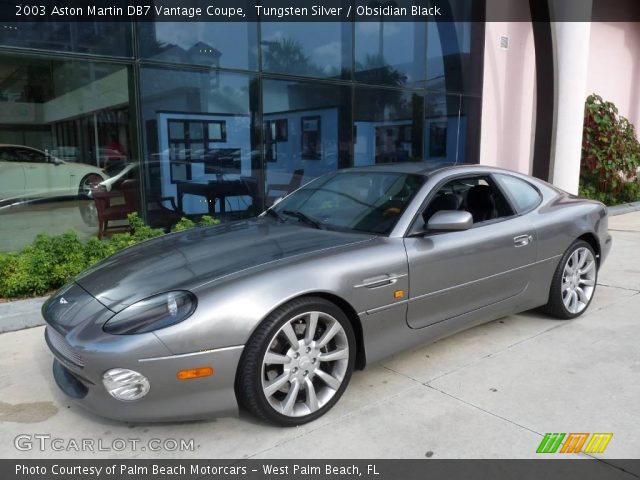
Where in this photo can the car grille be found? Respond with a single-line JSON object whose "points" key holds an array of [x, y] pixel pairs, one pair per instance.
{"points": [[60, 346]]}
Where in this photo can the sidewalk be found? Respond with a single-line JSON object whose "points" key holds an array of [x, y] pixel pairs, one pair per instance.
{"points": [[490, 392]]}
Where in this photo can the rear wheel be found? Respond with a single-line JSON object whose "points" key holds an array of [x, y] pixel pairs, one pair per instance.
{"points": [[297, 363], [574, 282]]}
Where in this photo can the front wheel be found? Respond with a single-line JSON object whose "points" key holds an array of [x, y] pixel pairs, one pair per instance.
{"points": [[297, 363], [574, 282], [88, 183]]}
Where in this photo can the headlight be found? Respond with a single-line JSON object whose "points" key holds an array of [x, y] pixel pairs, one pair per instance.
{"points": [[125, 385], [153, 313]]}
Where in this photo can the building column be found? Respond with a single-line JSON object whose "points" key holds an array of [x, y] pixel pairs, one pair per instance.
{"points": [[571, 58]]}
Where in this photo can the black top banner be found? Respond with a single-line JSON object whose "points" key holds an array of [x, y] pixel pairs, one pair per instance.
{"points": [[318, 10]]}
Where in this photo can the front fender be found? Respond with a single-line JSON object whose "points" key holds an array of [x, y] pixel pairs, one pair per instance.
{"points": [[230, 309]]}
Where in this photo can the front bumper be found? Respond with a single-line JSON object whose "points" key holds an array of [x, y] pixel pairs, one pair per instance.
{"points": [[169, 399], [84, 352]]}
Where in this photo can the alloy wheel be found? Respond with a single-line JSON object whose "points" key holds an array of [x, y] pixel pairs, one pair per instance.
{"points": [[89, 183], [305, 364], [578, 280]]}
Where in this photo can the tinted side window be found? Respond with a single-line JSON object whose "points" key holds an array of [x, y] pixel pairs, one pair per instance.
{"points": [[8, 155], [30, 156], [523, 194], [476, 195]]}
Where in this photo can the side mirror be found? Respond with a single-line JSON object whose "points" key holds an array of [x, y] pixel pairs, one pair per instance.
{"points": [[450, 221]]}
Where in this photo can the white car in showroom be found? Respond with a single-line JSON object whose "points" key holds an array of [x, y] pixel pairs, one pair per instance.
{"points": [[28, 173]]}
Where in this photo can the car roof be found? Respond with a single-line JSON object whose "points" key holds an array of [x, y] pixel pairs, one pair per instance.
{"points": [[4, 145], [419, 168]]}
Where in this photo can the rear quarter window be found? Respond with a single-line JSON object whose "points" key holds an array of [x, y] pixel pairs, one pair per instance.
{"points": [[524, 195]]}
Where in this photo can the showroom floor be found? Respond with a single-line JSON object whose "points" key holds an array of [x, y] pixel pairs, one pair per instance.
{"points": [[489, 392], [20, 224]]}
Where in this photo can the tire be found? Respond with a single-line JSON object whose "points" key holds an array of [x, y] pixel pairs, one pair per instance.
{"points": [[571, 292], [87, 183], [293, 385]]}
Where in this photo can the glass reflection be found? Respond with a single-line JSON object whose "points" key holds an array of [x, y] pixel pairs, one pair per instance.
{"points": [[452, 128], [455, 56], [390, 53], [201, 154], [307, 132], [215, 44], [99, 38], [64, 130], [388, 126], [307, 49]]}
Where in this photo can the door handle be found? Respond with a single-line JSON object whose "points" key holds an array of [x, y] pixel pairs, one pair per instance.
{"points": [[379, 281], [522, 240]]}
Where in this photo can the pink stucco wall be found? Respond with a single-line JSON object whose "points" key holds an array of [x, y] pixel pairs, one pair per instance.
{"points": [[614, 66], [509, 95]]}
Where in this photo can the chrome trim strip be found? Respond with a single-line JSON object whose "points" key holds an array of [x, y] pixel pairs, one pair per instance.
{"points": [[191, 354]]}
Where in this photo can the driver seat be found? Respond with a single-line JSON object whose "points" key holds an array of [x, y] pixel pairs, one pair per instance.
{"points": [[480, 203]]}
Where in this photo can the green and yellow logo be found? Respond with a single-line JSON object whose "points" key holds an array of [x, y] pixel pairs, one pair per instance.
{"points": [[573, 443]]}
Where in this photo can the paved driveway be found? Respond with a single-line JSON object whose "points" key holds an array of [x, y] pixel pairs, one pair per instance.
{"points": [[490, 392]]}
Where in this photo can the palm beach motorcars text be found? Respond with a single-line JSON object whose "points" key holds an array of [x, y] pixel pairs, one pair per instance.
{"points": [[124, 469], [194, 469]]}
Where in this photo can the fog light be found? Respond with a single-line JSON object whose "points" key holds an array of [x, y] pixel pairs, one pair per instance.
{"points": [[125, 385]]}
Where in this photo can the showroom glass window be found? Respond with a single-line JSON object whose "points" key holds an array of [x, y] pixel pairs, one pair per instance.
{"points": [[97, 38], [311, 49], [455, 57], [201, 145], [307, 132], [390, 53], [452, 128], [228, 45], [387, 126], [235, 114], [62, 123]]}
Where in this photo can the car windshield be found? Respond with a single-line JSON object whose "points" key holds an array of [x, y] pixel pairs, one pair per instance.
{"points": [[369, 202]]}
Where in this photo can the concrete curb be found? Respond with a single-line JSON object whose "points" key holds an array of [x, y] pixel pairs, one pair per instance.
{"points": [[624, 208], [21, 314]]}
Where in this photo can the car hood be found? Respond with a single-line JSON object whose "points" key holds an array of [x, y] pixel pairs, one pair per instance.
{"points": [[191, 258]]}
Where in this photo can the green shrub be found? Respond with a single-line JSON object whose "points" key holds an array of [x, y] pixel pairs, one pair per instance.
{"points": [[51, 261], [610, 154], [183, 224], [186, 223]]}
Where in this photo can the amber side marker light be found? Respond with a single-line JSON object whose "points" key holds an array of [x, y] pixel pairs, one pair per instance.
{"points": [[194, 373], [398, 294]]}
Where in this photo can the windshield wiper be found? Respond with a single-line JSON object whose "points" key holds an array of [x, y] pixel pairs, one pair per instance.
{"points": [[273, 213], [303, 217]]}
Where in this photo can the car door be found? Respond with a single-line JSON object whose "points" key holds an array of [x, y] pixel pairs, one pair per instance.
{"points": [[12, 175], [453, 273]]}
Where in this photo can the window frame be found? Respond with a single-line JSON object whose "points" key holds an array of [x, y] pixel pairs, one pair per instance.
{"points": [[416, 230], [510, 197]]}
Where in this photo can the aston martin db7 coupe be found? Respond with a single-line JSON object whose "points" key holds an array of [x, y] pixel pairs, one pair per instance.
{"points": [[275, 313]]}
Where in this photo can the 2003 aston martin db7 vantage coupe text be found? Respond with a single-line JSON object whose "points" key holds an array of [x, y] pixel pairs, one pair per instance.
{"points": [[275, 313]]}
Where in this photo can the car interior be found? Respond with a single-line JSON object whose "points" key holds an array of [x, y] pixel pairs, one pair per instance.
{"points": [[477, 195]]}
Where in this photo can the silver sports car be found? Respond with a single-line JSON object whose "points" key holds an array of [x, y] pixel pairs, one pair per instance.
{"points": [[274, 313]]}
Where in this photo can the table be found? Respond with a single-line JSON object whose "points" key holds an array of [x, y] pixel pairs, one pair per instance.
{"points": [[218, 190]]}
